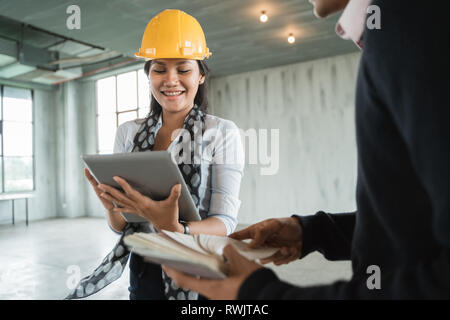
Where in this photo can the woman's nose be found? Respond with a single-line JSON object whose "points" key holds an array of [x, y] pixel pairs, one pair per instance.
{"points": [[171, 78]]}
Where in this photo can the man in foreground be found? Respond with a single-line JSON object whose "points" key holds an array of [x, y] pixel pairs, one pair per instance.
{"points": [[401, 229]]}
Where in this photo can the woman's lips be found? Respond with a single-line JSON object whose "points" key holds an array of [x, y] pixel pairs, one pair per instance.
{"points": [[172, 95]]}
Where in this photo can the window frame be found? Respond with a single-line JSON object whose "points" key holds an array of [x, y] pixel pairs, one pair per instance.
{"points": [[116, 112], [33, 149]]}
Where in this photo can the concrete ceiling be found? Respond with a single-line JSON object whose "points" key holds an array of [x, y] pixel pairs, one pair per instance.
{"points": [[238, 40]]}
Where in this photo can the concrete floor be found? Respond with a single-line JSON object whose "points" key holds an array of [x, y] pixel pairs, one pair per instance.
{"points": [[36, 260]]}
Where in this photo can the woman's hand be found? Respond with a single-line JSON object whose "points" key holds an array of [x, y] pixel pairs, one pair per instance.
{"points": [[106, 203], [162, 214]]}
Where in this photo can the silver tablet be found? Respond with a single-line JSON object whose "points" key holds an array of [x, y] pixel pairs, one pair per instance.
{"points": [[151, 173]]}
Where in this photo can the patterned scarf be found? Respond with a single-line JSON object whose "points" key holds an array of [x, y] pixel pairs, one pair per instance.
{"points": [[114, 263]]}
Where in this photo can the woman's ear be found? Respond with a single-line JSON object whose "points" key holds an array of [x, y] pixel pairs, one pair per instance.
{"points": [[201, 80]]}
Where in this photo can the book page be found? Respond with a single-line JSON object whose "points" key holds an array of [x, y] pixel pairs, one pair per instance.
{"points": [[161, 242], [206, 243], [216, 244], [186, 240], [185, 260]]}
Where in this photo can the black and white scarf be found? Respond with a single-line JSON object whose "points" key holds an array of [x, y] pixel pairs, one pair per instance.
{"points": [[114, 263]]}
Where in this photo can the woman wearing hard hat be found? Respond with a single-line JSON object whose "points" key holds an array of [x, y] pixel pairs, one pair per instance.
{"points": [[175, 47]]}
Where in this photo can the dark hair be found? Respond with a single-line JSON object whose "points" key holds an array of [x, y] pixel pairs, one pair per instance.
{"points": [[201, 98]]}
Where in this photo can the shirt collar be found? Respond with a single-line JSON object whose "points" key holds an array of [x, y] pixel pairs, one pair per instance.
{"points": [[351, 24], [159, 124]]}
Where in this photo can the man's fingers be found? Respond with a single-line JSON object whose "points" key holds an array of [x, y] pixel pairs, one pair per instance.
{"points": [[260, 236], [284, 261], [289, 254], [233, 256], [283, 254], [242, 234], [275, 257], [258, 232]]}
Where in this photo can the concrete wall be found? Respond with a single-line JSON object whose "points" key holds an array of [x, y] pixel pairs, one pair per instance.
{"points": [[77, 136], [92, 205], [312, 105], [71, 142]]}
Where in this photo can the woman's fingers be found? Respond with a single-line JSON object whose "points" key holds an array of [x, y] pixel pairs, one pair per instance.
{"points": [[175, 193], [106, 196], [92, 181], [90, 178], [129, 191], [127, 210], [116, 195]]}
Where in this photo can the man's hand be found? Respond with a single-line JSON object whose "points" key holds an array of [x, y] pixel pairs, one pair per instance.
{"points": [[324, 8], [240, 268], [284, 233]]}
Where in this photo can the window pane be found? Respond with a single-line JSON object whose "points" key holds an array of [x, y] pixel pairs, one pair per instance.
{"points": [[18, 174], [1, 174], [143, 112], [106, 95], [144, 90], [127, 116], [106, 131], [17, 139], [126, 91], [17, 105]]}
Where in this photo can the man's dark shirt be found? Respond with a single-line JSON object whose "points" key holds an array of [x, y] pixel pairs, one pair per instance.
{"points": [[402, 223]]}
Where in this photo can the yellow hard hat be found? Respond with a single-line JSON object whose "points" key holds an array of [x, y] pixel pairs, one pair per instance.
{"points": [[173, 34]]}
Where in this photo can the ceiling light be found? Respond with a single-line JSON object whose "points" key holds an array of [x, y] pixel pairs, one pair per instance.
{"points": [[263, 18], [291, 38]]}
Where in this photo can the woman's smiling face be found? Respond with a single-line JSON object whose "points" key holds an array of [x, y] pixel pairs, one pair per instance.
{"points": [[174, 83]]}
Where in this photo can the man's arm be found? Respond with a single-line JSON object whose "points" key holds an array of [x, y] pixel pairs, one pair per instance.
{"points": [[330, 234]]}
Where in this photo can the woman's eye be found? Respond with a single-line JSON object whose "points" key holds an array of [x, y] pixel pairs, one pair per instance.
{"points": [[183, 71], [158, 71]]}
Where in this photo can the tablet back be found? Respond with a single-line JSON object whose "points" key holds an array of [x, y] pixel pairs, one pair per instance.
{"points": [[152, 173]]}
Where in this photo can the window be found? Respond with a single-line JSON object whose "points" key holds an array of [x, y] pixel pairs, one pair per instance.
{"points": [[120, 98], [16, 140]]}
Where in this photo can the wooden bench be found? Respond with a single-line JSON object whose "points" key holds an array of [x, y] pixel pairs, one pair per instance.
{"points": [[17, 196]]}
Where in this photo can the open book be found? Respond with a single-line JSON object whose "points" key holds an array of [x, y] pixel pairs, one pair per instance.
{"points": [[199, 255]]}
